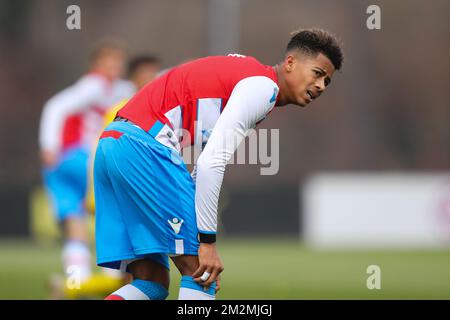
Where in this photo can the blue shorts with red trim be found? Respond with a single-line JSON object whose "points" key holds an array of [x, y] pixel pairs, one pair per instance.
{"points": [[144, 198], [66, 183]]}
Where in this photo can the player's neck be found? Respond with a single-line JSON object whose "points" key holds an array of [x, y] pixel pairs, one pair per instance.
{"points": [[282, 98], [101, 73]]}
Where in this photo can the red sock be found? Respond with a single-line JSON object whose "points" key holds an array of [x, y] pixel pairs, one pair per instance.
{"points": [[114, 297]]}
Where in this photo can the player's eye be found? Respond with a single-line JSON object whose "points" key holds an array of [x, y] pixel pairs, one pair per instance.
{"points": [[317, 73]]}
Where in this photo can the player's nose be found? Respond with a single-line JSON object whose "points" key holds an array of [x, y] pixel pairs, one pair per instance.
{"points": [[320, 86]]}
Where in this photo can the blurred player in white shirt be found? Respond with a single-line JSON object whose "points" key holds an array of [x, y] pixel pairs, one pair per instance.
{"points": [[70, 123]]}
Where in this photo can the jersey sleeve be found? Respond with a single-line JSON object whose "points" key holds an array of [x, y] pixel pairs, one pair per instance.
{"points": [[251, 99], [72, 100], [194, 173]]}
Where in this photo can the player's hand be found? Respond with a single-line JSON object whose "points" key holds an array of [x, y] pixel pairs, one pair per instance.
{"points": [[48, 158], [218, 283], [209, 261]]}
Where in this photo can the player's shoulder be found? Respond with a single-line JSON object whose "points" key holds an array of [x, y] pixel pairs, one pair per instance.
{"points": [[95, 81], [250, 69], [124, 88], [238, 66], [243, 61]]}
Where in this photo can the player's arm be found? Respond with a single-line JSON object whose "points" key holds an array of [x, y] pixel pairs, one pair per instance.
{"points": [[251, 99], [70, 101]]}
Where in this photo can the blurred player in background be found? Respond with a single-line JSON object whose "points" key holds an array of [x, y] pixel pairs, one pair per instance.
{"points": [[70, 124], [148, 206], [141, 70]]}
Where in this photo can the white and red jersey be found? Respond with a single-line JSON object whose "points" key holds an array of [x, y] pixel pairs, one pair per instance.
{"points": [[74, 116], [218, 98]]}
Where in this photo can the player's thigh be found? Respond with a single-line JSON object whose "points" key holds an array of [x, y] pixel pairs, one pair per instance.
{"points": [[74, 167], [150, 270], [156, 195], [186, 264], [112, 239], [66, 183]]}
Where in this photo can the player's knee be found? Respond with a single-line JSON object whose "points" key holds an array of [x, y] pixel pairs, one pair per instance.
{"points": [[187, 265], [150, 271]]}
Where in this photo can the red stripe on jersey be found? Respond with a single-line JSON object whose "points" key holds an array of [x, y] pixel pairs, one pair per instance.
{"points": [[111, 134], [71, 131]]}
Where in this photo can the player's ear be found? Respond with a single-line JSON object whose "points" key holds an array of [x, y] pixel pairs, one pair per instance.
{"points": [[289, 62]]}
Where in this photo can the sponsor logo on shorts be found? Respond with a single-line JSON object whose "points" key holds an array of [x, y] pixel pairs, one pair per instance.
{"points": [[175, 223]]}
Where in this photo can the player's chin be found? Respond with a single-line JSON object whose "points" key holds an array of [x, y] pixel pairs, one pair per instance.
{"points": [[302, 102]]}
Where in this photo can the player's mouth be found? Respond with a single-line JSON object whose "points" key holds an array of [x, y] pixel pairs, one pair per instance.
{"points": [[310, 96]]}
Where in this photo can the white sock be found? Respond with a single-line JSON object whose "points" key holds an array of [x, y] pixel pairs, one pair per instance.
{"points": [[140, 290], [191, 290], [129, 292], [191, 294], [76, 259]]}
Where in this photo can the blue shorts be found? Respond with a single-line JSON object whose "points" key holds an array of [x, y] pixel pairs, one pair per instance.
{"points": [[66, 183], [144, 200]]}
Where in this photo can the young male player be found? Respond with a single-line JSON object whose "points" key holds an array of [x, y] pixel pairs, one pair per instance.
{"points": [[148, 205], [70, 123]]}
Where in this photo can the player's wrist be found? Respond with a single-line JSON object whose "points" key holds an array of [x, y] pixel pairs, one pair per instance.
{"points": [[206, 237]]}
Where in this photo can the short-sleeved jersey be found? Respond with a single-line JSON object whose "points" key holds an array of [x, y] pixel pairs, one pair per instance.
{"points": [[193, 95]]}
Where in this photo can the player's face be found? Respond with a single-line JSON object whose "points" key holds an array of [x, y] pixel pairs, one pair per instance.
{"points": [[145, 74], [111, 64], [307, 77]]}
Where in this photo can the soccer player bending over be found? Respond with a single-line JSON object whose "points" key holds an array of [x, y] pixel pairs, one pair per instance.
{"points": [[149, 207]]}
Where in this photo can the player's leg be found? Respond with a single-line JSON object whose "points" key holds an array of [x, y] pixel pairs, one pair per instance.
{"points": [[107, 280], [151, 282], [66, 185], [76, 255], [189, 289], [119, 229], [155, 194]]}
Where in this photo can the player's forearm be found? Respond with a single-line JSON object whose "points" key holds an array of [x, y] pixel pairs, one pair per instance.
{"points": [[210, 173], [251, 99]]}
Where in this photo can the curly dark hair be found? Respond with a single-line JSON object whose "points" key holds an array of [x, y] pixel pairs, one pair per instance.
{"points": [[314, 41]]}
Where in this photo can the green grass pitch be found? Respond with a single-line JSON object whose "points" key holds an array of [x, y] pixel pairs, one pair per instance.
{"points": [[265, 269]]}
